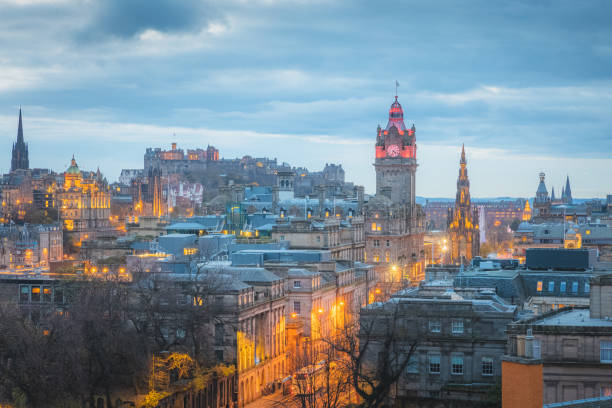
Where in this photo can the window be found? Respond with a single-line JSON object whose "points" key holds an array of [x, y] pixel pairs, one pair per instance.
{"points": [[435, 326], [563, 287], [487, 366], [387, 256], [373, 226], [58, 294], [376, 243], [24, 294], [539, 286], [297, 307], [35, 294], [574, 287], [587, 287], [219, 355], [457, 364], [551, 286], [388, 243], [606, 391], [413, 364], [297, 284], [434, 363], [605, 351], [457, 326], [219, 334]]}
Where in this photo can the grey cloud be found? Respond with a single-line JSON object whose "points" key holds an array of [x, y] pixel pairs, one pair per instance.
{"points": [[125, 19]]}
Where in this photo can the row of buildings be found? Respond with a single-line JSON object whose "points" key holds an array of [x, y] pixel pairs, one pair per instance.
{"points": [[527, 336]]}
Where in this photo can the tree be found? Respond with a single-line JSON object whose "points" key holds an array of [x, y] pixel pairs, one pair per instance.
{"points": [[372, 354], [74, 354]]}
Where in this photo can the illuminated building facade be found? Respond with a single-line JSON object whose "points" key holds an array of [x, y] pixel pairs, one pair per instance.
{"points": [[177, 161], [394, 222], [463, 229], [147, 195], [30, 245], [83, 203], [19, 159]]}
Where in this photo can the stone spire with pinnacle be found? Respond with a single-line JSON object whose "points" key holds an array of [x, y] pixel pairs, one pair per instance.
{"points": [[19, 159], [568, 192]]}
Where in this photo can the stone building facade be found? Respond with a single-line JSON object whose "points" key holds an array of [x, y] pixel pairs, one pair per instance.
{"points": [[571, 347], [84, 204], [345, 238], [458, 338]]}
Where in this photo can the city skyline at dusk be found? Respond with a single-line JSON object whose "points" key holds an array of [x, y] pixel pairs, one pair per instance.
{"points": [[524, 86]]}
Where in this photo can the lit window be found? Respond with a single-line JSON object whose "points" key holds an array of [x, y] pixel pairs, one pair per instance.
{"points": [[373, 226], [563, 287], [35, 294], [457, 326], [457, 364], [297, 284], [387, 256], [551, 286], [605, 351], [575, 287], [487, 366], [435, 326], [539, 286], [434, 363], [46, 294]]}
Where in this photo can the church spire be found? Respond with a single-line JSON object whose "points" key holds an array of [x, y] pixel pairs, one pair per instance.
{"points": [[19, 159], [20, 129], [568, 191], [463, 161]]}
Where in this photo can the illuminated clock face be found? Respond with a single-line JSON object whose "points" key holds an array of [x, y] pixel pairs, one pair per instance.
{"points": [[393, 150]]}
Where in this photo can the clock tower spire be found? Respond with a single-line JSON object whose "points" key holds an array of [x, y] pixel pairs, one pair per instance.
{"points": [[395, 223], [395, 158]]}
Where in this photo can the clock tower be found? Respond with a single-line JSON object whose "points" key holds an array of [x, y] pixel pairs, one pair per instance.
{"points": [[394, 222], [395, 158]]}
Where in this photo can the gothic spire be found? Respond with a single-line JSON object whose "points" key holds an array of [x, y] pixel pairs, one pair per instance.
{"points": [[20, 130], [568, 191], [463, 161], [19, 158]]}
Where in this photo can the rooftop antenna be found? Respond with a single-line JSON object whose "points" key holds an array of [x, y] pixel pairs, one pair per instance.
{"points": [[396, 86]]}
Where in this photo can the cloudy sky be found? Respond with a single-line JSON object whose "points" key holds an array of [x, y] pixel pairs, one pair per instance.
{"points": [[526, 85]]}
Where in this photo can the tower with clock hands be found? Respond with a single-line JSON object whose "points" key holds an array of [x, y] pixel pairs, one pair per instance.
{"points": [[395, 160], [394, 222]]}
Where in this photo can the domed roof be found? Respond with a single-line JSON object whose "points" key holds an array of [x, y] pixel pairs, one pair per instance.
{"points": [[396, 116], [73, 169]]}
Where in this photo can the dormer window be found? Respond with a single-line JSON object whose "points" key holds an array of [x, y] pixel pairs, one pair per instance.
{"points": [[297, 284]]}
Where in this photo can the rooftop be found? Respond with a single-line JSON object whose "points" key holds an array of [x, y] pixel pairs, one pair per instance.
{"points": [[572, 317]]}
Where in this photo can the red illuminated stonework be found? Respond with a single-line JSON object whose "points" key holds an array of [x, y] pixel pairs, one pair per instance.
{"points": [[394, 222]]}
